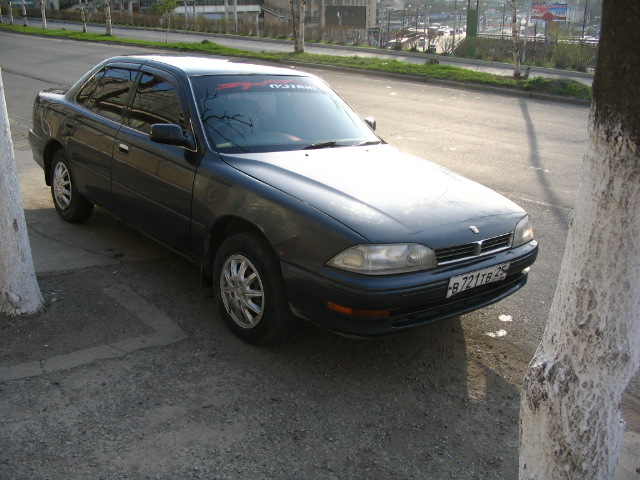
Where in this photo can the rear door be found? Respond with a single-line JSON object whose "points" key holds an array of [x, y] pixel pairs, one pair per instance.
{"points": [[89, 131], [152, 184]]}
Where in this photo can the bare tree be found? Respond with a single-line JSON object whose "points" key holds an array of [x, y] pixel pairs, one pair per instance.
{"points": [[43, 7], [570, 416], [25, 21], [107, 18], [301, 13], [298, 27], [19, 291], [294, 26], [83, 16], [10, 13]]}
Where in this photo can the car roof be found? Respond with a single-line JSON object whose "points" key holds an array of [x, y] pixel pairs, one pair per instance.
{"points": [[196, 66]]}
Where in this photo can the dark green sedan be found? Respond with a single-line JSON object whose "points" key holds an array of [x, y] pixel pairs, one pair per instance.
{"points": [[290, 203]]}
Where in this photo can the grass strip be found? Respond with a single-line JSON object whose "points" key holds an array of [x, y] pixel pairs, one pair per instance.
{"points": [[562, 87]]}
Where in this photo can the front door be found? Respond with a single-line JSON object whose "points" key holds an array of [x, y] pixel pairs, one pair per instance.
{"points": [[152, 184]]}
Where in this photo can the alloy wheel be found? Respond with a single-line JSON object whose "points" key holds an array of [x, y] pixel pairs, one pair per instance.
{"points": [[62, 186], [242, 291]]}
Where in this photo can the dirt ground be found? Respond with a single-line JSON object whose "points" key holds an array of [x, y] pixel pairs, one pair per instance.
{"points": [[439, 402]]}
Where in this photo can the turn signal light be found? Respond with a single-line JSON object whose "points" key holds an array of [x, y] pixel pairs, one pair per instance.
{"points": [[357, 312]]}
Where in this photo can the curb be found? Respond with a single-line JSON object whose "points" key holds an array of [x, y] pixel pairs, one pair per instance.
{"points": [[443, 83], [165, 332]]}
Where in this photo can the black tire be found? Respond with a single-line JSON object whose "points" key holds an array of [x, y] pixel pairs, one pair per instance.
{"points": [[249, 290], [70, 205]]}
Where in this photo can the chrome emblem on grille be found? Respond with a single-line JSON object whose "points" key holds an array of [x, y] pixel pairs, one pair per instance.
{"points": [[474, 229]]}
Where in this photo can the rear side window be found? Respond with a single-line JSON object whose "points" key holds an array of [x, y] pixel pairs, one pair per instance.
{"points": [[155, 101], [109, 96]]}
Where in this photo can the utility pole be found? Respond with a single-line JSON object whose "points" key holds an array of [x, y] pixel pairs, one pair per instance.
{"points": [[584, 18], [504, 3], [455, 17], [235, 16], [424, 30]]}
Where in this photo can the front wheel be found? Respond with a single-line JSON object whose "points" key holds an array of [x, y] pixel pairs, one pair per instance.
{"points": [[70, 205], [250, 291]]}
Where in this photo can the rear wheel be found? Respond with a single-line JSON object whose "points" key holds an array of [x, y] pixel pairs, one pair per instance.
{"points": [[70, 205], [250, 291]]}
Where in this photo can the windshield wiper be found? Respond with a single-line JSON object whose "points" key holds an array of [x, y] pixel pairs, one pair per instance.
{"points": [[314, 146], [334, 143]]}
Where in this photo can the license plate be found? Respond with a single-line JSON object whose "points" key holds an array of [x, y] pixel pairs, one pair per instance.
{"points": [[471, 280]]}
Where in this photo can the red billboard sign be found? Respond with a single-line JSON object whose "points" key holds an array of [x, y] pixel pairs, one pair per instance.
{"points": [[549, 12]]}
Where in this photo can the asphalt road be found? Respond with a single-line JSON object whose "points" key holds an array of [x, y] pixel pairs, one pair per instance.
{"points": [[528, 150]]}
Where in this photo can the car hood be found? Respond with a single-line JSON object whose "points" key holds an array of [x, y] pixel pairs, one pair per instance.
{"points": [[385, 195]]}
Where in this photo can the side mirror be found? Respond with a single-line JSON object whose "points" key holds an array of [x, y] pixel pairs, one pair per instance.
{"points": [[371, 122], [169, 134]]}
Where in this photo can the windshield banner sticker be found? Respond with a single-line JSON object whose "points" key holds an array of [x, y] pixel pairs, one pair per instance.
{"points": [[268, 84]]}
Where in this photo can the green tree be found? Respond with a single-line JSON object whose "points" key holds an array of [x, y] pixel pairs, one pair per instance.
{"points": [[164, 7]]}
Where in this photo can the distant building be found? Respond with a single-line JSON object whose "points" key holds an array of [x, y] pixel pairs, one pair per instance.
{"points": [[221, 9], [329, 13], [345, 13], [355, 14]]}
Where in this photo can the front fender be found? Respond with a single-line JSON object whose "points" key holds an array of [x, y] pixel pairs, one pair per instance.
{"points": [[298, 233]]}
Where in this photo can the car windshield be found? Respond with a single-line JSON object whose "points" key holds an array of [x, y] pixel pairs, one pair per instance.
{"points": [[266, 113]]}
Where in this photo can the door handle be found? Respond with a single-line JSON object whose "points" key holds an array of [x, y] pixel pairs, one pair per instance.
{"points": [[69, 126], [123, 148]]}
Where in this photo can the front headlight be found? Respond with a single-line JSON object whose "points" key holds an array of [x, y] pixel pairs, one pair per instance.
{"points": [[385, 259], [523, 232]]}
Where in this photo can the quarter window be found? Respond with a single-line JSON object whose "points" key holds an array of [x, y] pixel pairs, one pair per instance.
{"points": [[87, 88], [155, 101], [110, 95]]}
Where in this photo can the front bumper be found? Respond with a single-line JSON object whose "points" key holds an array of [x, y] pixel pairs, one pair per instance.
{"points": [[412, 300]]}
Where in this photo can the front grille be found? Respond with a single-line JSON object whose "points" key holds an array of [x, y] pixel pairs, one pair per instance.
{"points": [[482, 247]]}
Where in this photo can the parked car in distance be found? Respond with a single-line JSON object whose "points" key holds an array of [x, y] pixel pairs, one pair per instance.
{"points": [[288, 201]]}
